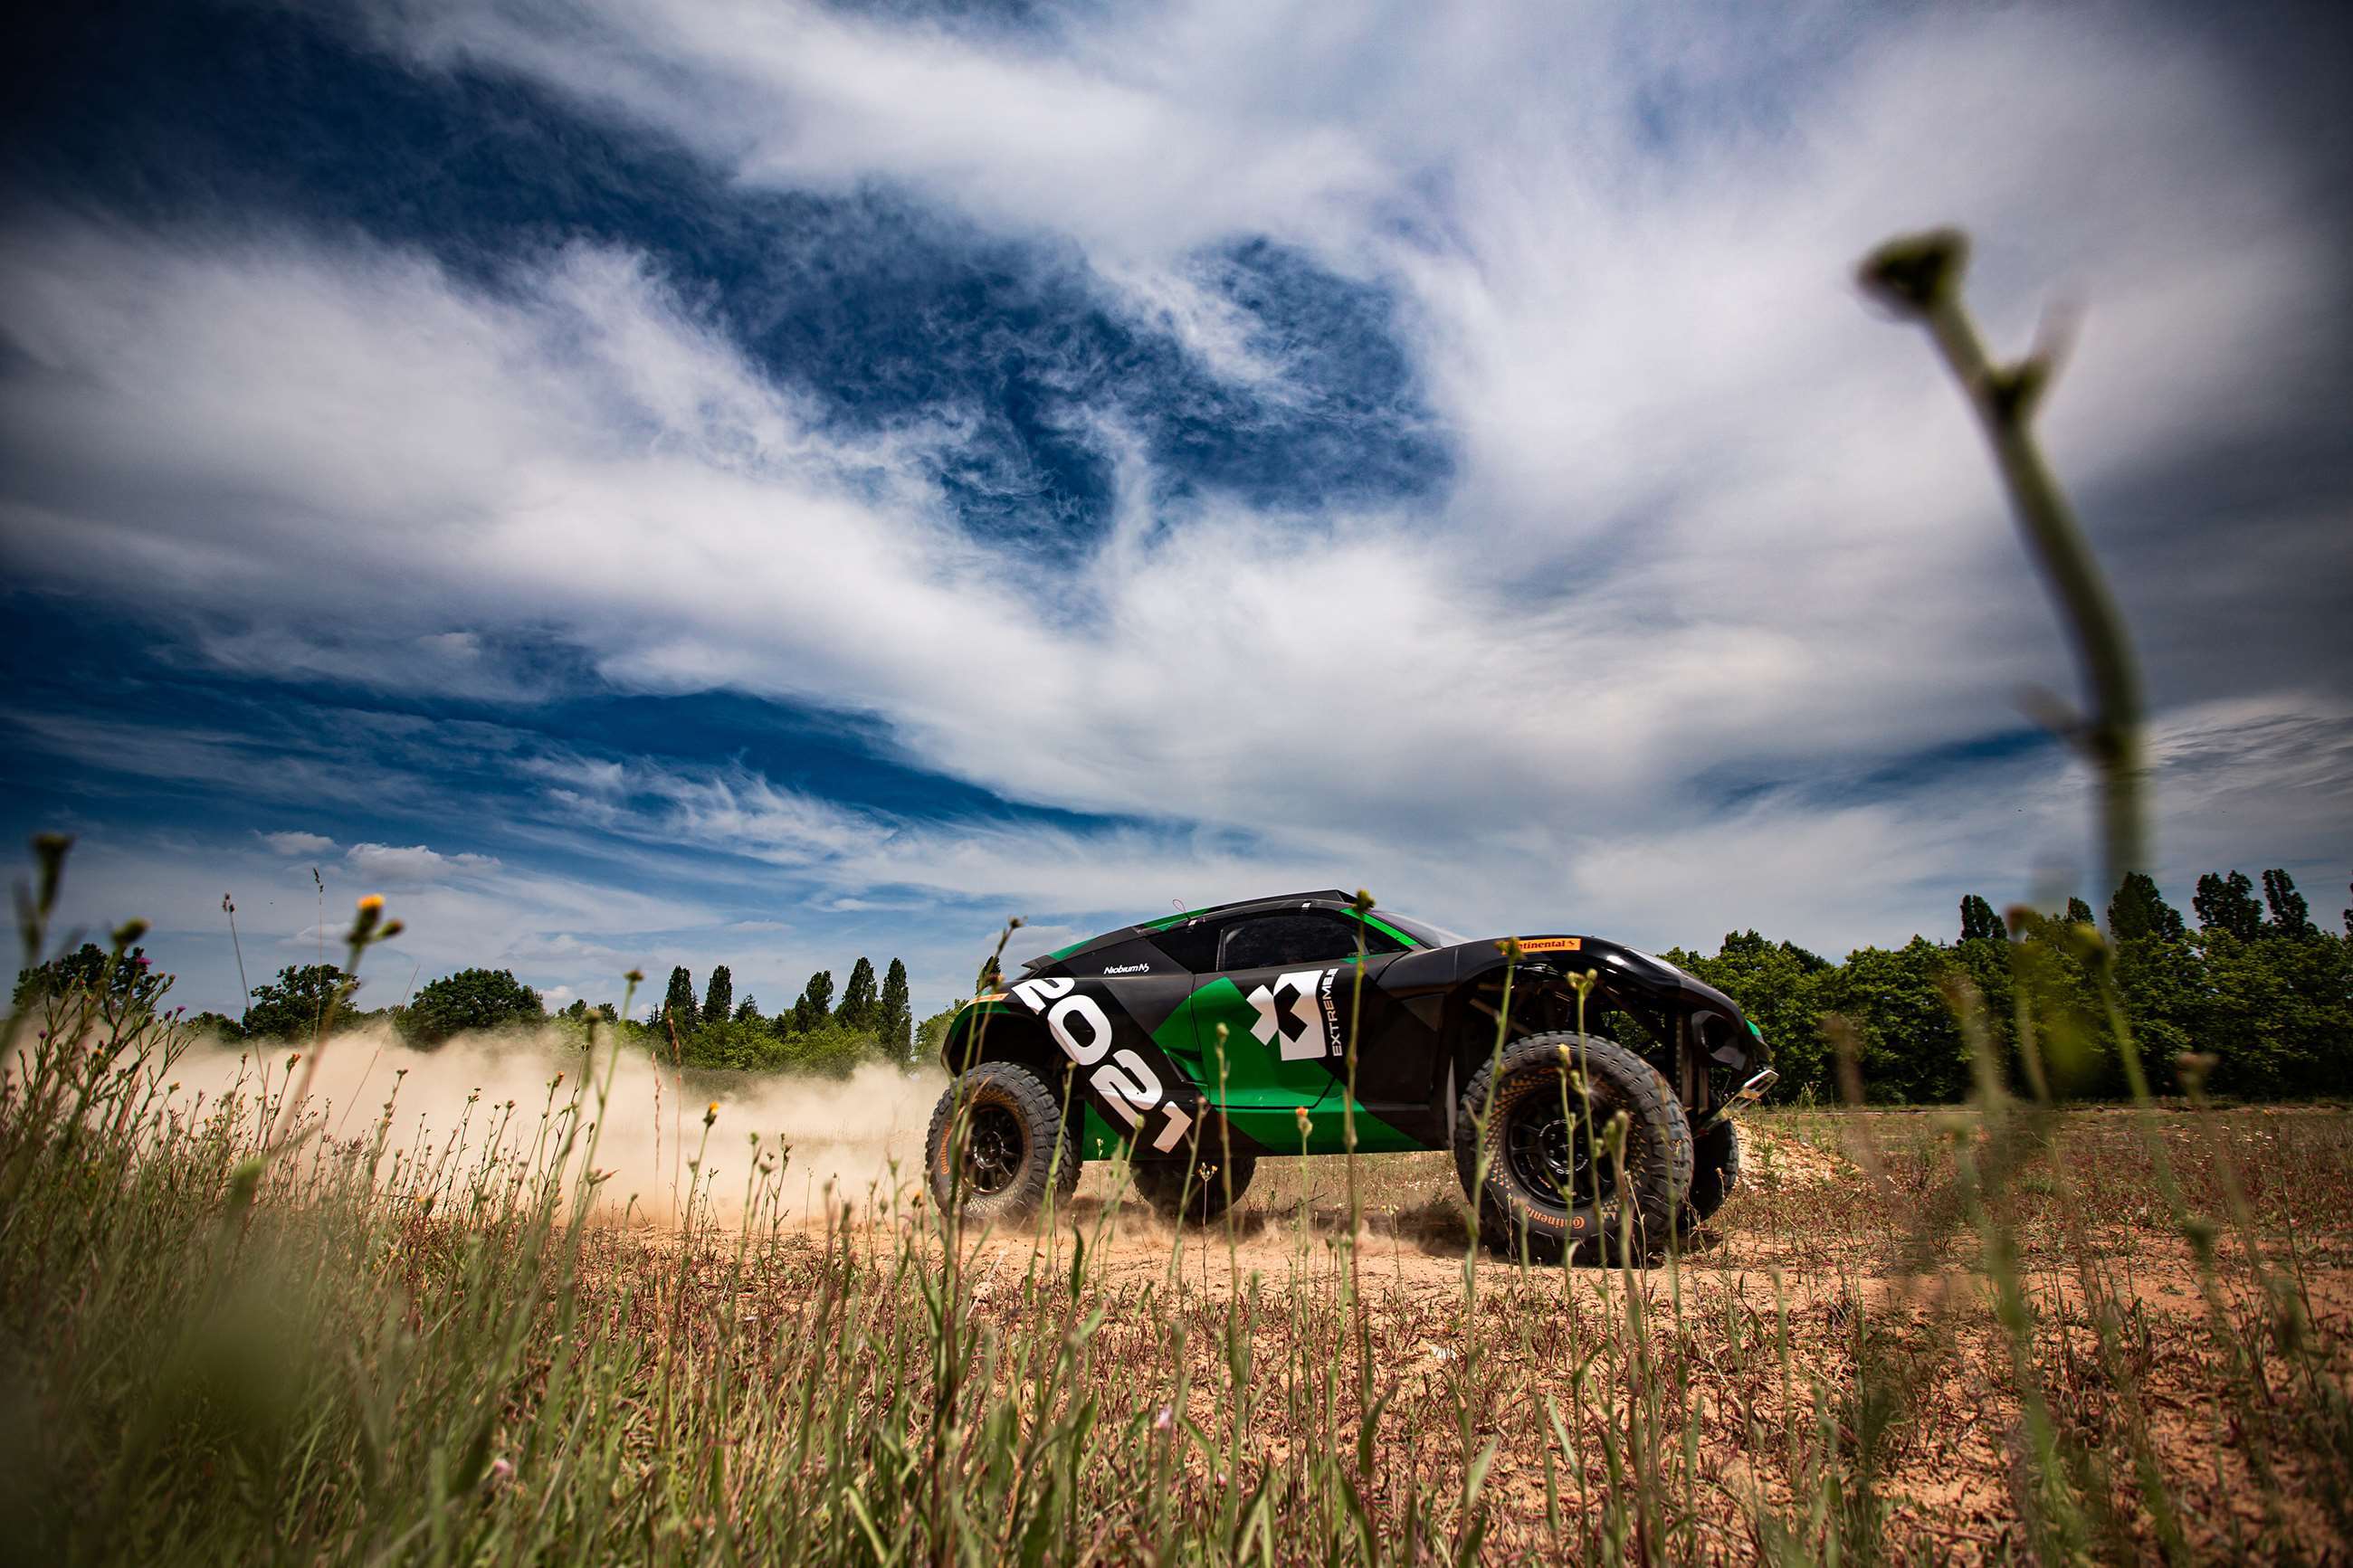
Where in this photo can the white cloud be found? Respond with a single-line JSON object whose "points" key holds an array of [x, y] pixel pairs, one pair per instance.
{"points": [[296, 843], [392, 865]]}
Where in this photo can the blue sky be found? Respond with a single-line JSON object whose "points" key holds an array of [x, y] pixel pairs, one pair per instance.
{"points": [[767, 483]]}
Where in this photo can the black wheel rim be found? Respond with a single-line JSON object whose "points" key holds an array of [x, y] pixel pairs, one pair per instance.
{"points": [[994, 1147], [1550, 1152]]}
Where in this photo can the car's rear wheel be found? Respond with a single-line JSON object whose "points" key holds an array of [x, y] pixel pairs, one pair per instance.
{"points": [[1533, 1150], [1197, 1192], [997, 1144]]}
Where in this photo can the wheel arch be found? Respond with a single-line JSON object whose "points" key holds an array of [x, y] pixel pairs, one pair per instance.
{"points": [[989, 1031], [1543, 1000]]}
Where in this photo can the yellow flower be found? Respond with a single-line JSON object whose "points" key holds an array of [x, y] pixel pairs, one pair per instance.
{"points": [[371, 904]]}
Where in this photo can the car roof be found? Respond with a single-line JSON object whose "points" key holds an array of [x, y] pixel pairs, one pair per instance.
{"points": [[1162, 923]]}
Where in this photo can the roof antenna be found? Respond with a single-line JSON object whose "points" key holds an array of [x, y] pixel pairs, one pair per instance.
{"points": [[1179, 903]]}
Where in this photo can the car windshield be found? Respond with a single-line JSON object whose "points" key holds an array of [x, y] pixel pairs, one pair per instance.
{"points": [[1421, 932]]}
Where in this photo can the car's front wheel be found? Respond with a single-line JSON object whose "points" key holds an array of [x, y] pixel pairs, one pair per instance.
{"points": [[997, 1145], [1535, 1149]]}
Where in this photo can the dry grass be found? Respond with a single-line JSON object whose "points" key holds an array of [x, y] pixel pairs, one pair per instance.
{"points": [[1734, 1385], [1997, 1332]]}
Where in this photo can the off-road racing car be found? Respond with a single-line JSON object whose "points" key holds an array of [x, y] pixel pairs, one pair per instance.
{"points": [[1203, 1042]]}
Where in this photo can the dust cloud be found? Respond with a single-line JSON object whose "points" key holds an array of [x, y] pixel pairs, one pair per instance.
{"points": [[498, 1097]]}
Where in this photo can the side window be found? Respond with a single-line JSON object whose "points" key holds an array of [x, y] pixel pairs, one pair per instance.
{"points": [[1269, 940], [1192, 946]]}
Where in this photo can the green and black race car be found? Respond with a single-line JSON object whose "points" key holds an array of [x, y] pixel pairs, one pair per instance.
{"points": [[1204, 1042]]}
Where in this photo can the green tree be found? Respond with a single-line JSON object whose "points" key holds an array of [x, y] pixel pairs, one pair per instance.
{"points": [[719, 997], [1911, 1047], [2278, 1014], [815, 1007], [2079, 913], [932, 1033], [2077, 1051], [738, 1046], [748, 1011], [2139, 909], [1979, 922], [678, 1008], [2161, 981], [2228, 904], [858, 1005], [829, 1050], [1775, 985], [132, 982], [469, 999], [2290, 916], [896, 1017], [297, 1002]]}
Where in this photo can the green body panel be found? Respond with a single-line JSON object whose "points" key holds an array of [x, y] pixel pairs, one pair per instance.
{"points": [[1379, 924], [1262, 1093]]}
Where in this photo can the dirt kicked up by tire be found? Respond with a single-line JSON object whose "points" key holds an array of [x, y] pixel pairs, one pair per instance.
{"points": [[1199, 1193], [1007, 1126], [1531, 1145]]}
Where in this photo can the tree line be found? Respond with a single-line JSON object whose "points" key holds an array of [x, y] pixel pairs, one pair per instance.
{"points": [[872, 1021], [817, 1033], [2254, 1000]]}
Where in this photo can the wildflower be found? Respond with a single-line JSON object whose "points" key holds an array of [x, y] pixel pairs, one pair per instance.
{"points": [[711, 1114], [1306, 1126], [1915, 275], [372, 904], [1163, 1419]]}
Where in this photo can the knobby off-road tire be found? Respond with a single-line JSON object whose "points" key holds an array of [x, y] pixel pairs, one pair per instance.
{"points": [[1163, 1184], [1715, 1171], [1013, 1143], [1548, 1183]]}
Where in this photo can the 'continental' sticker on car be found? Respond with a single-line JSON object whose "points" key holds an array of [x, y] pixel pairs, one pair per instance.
{"points": [[1552, 943]]}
